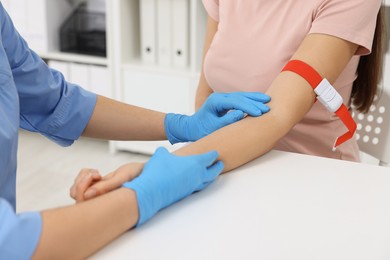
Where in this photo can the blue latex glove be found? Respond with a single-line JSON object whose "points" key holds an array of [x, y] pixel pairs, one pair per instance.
{"points": [[214, 114], [167, 178]]}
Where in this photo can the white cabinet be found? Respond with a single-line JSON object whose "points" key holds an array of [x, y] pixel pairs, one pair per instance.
{"points": [[99, 80], [92, 77]]}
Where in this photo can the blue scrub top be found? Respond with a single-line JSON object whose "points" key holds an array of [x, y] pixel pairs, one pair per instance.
{"points": [[37, 99]]}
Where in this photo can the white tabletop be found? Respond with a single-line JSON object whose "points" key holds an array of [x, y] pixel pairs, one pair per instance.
{"points": [[281, 206]]}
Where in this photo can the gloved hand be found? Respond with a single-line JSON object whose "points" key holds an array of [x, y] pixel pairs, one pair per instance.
{"points": [[214, 114], [167, 178]]}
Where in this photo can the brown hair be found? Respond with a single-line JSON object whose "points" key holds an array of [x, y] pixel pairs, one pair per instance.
{"points": [[370, 69]]}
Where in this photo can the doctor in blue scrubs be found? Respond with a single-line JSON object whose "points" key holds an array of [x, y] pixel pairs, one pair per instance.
{"points": [[38, 99]]}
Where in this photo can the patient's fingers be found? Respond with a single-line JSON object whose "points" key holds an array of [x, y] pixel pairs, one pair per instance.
{"points": [[113, 180], [79, 181]]}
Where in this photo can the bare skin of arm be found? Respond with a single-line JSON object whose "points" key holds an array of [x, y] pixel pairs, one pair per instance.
{"points": [[126, 122], [292, 97], [86, 227]]}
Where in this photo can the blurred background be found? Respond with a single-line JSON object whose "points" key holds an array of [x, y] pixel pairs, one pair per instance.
{"points": [[144, 52]]}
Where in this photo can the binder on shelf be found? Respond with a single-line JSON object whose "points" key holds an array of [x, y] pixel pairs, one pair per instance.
{"points": [[180, 21], [164, 32], [148, 31]]}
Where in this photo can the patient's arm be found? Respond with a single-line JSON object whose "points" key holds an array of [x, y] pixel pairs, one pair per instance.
{"points": [[292, 97]]}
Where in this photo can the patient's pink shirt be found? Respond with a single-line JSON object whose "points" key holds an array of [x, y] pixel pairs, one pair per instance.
{"points": [[256, 38]]}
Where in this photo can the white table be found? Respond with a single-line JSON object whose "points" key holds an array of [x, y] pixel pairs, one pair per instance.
{"points": [[281, 206]]}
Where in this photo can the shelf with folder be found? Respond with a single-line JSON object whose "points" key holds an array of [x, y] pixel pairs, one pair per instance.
{"points": [[156, 56], [137, 38], [164, 32]]}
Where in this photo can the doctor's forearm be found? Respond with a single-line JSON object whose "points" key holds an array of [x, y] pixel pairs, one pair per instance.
{"points": [[114, 120], [76, 232]]}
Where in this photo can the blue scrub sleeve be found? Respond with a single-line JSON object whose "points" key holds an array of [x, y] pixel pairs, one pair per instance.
{"points": [[19, 234], [48, 104]]}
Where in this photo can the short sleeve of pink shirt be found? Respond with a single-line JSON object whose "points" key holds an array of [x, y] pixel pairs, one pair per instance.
{"points": [[351, 20]]}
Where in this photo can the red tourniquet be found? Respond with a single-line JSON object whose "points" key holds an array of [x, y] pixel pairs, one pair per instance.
{"points": [[315, 80]]}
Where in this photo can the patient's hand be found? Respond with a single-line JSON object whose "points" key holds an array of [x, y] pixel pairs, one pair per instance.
{"points": [[90, 184]]}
